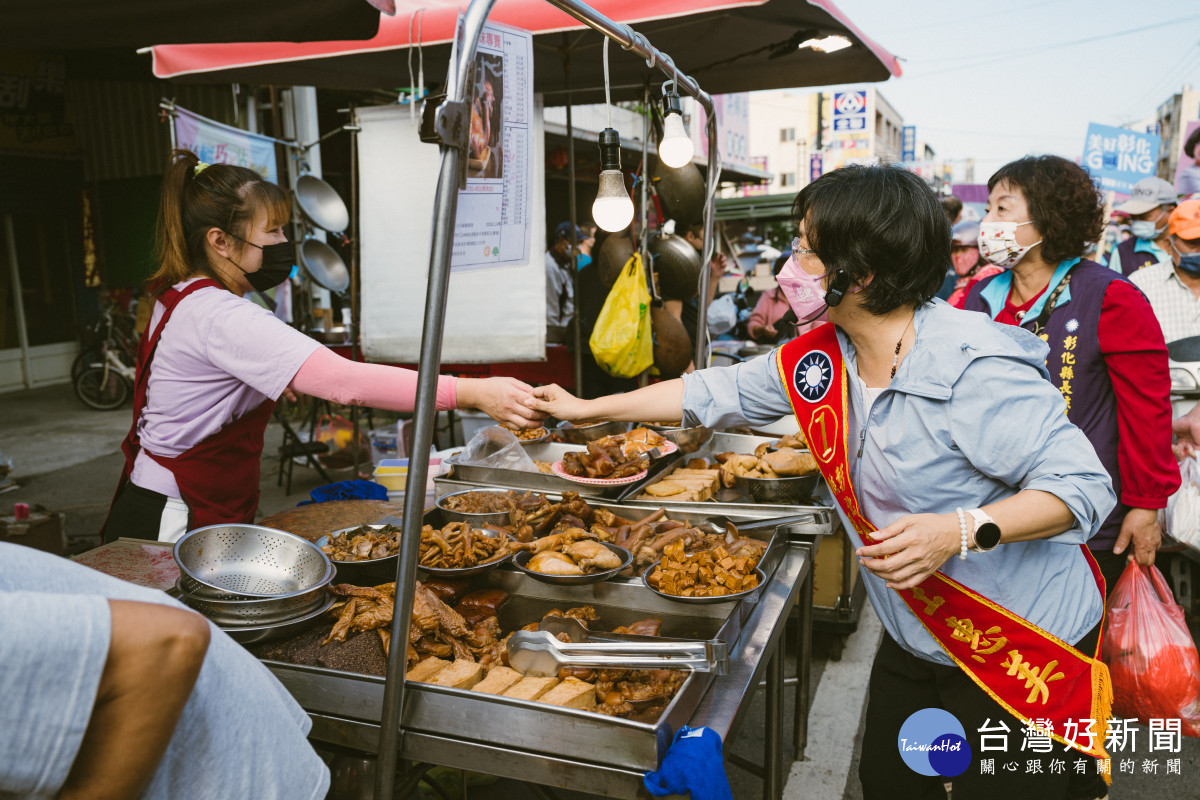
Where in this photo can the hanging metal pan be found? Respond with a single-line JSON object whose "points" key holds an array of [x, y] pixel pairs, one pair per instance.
{"points": [[325, 266], [321, 203]]}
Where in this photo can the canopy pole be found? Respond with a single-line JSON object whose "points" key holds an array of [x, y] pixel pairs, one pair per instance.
{"points": [[644, 217], [355, 298], [445, 209], [711, 180]]}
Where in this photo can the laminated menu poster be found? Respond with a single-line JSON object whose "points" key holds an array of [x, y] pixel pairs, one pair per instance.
{"points": [[492, 228]]}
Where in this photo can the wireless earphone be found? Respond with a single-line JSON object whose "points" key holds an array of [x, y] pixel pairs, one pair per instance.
{"points": [[837, 288]]}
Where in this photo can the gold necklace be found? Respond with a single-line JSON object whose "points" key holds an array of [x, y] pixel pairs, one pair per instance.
{"points": [[896, 355]]}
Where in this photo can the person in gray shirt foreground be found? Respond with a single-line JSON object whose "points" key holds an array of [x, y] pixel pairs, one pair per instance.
{"points": [[112, 690]]}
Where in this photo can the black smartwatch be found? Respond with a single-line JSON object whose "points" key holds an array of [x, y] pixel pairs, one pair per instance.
{"points": [[987, 532]]}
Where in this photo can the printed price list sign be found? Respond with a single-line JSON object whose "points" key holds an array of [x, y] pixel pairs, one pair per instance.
{"points": [[493, 228]]}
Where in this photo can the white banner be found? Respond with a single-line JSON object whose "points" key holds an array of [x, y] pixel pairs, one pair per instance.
{"points": [[492, 315], [216, 143]]}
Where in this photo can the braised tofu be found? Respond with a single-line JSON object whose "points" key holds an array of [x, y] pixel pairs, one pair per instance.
{"points": [[530, 688], [571, 693], [426, 669], [498, 681], [462, 674]]}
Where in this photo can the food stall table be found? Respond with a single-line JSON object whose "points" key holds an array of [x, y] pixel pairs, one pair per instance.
{"points": [[531, 756]]}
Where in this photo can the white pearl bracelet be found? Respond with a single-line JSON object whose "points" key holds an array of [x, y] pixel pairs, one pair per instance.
{"points": [[962, 528]]}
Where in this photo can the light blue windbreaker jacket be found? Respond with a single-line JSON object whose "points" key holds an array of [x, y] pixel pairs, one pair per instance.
{"points": [[969, 419]]}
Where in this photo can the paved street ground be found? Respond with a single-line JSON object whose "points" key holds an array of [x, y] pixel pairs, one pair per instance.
{"points": [[67, 458]]}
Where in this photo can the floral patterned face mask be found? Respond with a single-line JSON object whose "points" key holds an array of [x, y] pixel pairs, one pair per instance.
{"points": [[998, 243]]}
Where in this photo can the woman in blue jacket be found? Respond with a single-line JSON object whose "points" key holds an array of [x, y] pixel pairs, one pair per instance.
{"points": [[952, 465]]}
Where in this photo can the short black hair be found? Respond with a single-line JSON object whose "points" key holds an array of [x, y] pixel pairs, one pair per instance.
{"points": [[1189, 147], [952, 206], [880, 220], [1064, 204]]}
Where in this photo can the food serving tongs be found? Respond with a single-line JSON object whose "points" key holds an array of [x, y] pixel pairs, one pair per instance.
{"points": [[540, 653]]}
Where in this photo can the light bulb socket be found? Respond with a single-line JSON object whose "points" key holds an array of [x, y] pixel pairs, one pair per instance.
{"points": [[610, 149], [671, 104]]}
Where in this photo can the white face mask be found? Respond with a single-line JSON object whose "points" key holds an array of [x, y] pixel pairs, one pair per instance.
{"points": [[998, 243]]}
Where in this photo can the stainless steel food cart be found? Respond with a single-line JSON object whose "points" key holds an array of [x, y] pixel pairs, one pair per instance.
{"points": [[583, 750]]}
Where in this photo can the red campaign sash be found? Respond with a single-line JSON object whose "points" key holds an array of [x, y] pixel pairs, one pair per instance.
{"points": [[1029, 672]]}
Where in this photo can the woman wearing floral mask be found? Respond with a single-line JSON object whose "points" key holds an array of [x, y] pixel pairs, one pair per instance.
{"points": [[1107, 355], [969, 265], [945, 513]]}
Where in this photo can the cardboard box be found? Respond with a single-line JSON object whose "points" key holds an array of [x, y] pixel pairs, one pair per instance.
{"points": [[761, 283], [43, 530], [827, 570], [728, 283]]}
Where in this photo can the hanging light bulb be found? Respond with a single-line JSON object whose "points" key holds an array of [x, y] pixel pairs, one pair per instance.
{"points": [[612, 210], [676, 148]]}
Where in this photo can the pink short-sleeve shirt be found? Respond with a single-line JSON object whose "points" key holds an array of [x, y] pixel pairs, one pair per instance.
{"points": [[219, 357]]}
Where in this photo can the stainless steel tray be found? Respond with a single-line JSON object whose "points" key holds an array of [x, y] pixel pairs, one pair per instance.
{"points": [[542, 482], [531, 726], [729, 500], [822, 517], [776, 539]]}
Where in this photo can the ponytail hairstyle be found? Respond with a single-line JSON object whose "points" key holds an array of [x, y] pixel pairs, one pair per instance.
{"points": [[193, 202]]}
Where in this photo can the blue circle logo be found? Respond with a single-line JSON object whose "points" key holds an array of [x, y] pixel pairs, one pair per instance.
{"points": [[813, 375], [932, 742]]}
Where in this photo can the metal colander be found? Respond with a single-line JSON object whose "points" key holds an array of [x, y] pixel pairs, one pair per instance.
{"points": [[252, 561], [259, 611]]}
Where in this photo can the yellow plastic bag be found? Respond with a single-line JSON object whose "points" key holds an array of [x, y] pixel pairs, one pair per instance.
{"points": [[621, 341]]}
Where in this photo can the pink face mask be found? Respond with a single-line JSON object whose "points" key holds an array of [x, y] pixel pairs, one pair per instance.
{"points": [[803, 293], [964, 260]]}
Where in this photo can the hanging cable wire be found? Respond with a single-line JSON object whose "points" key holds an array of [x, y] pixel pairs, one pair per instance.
{"points": [[979, 60], [607, 95]]}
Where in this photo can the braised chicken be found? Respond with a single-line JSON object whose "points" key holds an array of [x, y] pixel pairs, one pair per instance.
{"points": [[552, 562], [592, 556]]}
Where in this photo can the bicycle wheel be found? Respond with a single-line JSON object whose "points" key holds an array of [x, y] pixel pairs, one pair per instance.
{"points": [[101, 388], [85, 359]]}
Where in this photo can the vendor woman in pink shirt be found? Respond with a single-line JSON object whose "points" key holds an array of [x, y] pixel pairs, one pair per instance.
{"points": [[212, 364]]}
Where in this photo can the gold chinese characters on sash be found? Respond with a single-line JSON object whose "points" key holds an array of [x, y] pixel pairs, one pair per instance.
{"points": [[1029, 672]]}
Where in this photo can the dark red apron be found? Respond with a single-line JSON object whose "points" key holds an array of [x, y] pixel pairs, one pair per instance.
{"points": [[219, 477]]}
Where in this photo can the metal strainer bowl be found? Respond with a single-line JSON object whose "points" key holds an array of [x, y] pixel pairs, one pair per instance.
{"points": [[259, 611], [251, 561]]}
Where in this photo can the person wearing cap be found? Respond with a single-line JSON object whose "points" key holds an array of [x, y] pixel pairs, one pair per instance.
{"points": [[970, 266], [560, 281], [1150, 203], [1173, 285]]}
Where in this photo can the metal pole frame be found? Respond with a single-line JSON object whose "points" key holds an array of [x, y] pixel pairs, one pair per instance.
{"points": [[10, 239], [449, 119]]}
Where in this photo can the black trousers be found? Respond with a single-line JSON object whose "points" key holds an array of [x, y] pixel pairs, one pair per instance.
{"points": [[902, 684], [136, 514], [1111, 566]]}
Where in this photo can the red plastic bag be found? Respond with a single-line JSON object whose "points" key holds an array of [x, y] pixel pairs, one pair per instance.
{"points": [[1150, 653]]}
